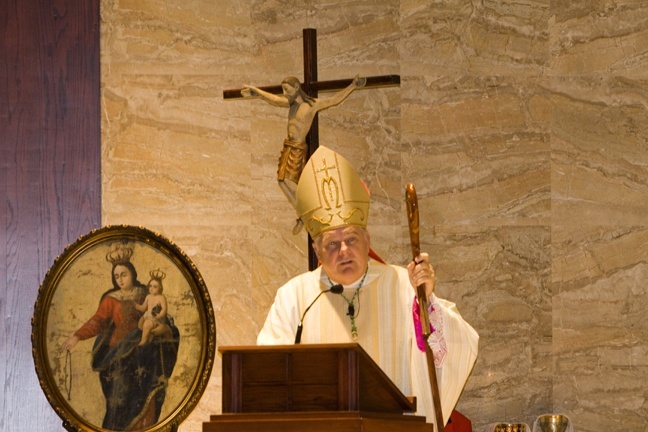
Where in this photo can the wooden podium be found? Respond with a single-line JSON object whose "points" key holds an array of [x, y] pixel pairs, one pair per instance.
{"points": [[310, 388]]}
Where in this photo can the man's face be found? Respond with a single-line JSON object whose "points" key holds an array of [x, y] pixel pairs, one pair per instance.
{"points": [[343, 253]]}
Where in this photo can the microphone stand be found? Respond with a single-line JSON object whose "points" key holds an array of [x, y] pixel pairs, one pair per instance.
{"points": [[336, 289], [413, 220]]}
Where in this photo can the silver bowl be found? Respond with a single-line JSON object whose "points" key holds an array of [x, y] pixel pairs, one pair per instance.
{"points": [[553, 423]]}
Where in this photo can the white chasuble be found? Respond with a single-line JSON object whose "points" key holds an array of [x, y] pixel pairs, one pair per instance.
{"points": [[385, 328]]}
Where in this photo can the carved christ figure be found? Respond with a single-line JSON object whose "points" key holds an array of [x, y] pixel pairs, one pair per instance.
{"points": [[301, 113]]}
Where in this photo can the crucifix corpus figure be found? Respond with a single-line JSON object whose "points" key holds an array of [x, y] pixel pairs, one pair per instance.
{"points": [[302, 110]]}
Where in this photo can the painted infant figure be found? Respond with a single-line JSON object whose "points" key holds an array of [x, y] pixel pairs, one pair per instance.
{"points": [[154, 308]]}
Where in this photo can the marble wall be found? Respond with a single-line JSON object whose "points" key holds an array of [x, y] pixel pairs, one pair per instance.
{"points": [[523, 125]]}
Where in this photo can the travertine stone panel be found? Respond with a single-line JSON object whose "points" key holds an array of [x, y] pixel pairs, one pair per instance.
{"points": [[599, 151], [599, 38], [476, 38], [479, 149], [600, 207], [600, 331]]}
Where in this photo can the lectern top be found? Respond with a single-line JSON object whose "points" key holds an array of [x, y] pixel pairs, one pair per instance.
{"points": [[307, 377]]}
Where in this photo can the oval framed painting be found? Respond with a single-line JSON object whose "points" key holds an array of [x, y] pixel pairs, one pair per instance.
{"points": [[123, 332]]}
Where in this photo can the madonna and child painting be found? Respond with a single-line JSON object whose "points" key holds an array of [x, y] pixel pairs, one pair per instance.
{"points": [[122, 329]]}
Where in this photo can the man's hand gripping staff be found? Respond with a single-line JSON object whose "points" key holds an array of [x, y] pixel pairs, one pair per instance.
{"points": [[413, 220]]}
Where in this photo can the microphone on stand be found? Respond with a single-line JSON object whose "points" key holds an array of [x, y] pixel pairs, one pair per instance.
{"points": [[335, 289]]}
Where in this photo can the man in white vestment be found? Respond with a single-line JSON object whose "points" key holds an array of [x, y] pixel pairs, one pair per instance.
{"points": [[378, 307]]}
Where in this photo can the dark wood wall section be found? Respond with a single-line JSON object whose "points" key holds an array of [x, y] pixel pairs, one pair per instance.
{"points": [[50, 179]]}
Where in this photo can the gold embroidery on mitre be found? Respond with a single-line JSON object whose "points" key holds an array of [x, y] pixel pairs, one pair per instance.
{"points": [[351, 213], [330, 194], [322, 221]]}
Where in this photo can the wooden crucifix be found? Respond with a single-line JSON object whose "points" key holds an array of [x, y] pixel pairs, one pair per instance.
{"points": [[311, 87]]}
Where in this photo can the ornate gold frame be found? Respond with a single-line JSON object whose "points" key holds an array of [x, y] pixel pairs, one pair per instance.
{"points": [[69, 296]]}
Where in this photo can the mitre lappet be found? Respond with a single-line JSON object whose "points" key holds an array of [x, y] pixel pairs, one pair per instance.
{"points": [[330, 194]]}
